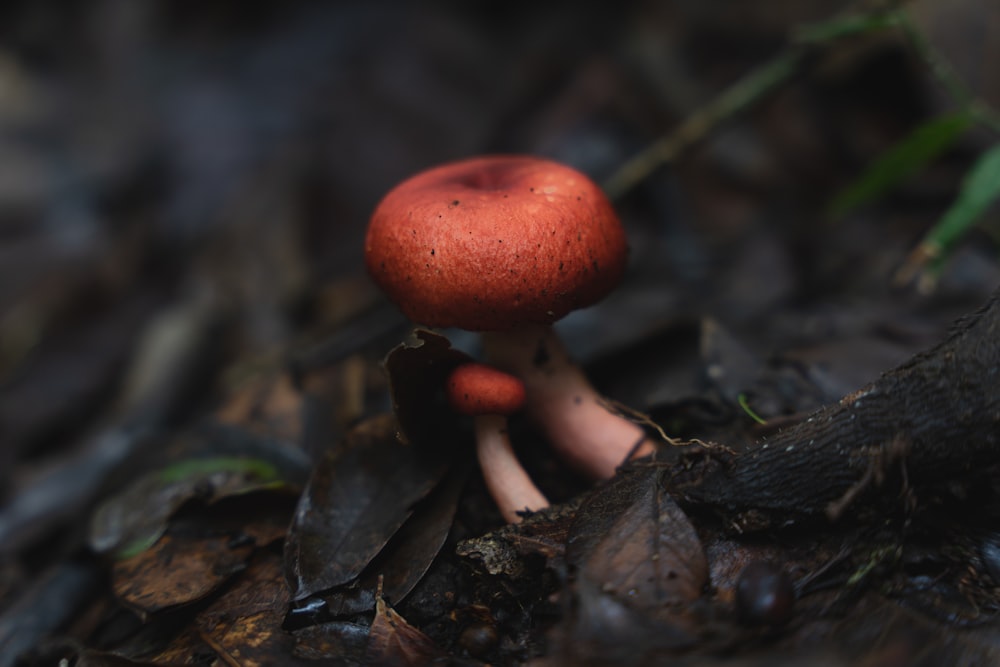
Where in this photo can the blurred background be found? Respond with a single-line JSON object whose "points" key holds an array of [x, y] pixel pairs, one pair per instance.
{"points": [[203, 171]]}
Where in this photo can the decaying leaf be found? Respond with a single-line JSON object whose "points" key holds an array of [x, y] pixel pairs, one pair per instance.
{"points": [[364, 490], [133, 520], [199, 554], [176, 572], [244, 626], [640, 566], [407, 556], [357, 499], [417, 370], [394, 642]]}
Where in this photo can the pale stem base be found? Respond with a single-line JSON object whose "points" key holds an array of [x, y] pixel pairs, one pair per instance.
{"points": [[562, 401], [506, 480]]}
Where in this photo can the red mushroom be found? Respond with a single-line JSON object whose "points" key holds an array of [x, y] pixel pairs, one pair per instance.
{"points": [[489, 395], [507, 245]]}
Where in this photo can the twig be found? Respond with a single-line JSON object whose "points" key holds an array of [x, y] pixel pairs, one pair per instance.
{"points": [[766, 78], [738, 97]]}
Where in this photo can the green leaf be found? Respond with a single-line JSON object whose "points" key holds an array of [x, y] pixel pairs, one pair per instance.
{"points": [[908, 156], [262, 472], [980, 188]]}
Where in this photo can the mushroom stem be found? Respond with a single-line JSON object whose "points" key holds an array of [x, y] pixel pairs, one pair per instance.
{"points": [[562, 401], [506, 480]]}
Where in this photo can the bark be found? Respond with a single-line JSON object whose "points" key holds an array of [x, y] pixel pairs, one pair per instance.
{"points": [[935, 418]]}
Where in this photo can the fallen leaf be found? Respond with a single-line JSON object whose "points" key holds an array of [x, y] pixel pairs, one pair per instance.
{"points": [[209, 463], [176, 571], [358, 497], [639, 567], [417, 371], [394, 642], [244, 626], [406, 558]]}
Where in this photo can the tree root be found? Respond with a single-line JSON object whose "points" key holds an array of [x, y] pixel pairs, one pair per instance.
{"points": [[934, 419]]}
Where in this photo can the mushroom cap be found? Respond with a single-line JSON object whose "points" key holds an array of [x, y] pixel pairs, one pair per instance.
{"points": [[491, 243], [478, 389]]}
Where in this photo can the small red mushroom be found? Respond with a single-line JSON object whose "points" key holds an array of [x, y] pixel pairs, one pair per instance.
{"points": [[477, 389], [489, 396], [507, 245]]}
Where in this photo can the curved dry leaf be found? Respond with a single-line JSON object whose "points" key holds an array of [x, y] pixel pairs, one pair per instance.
{"points": [[651, 554], [358, 497], [177, 571], [394, 642], [407, 556], [417, 371], [639, 564]]}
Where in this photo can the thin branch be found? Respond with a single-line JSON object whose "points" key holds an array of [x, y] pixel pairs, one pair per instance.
{"points": [[766, 78], [695, 127]]}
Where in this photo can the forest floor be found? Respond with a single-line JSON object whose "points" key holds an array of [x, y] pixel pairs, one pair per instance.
{"points": [[199, 460]]}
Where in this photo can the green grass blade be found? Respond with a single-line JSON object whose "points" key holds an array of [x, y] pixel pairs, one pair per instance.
{"points": [[908, 156], [742, 400], [262, 471], [980, 188]]}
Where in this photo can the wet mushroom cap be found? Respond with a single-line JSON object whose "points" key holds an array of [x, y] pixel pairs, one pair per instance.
{"points": [[490, 243], [477, 389]]}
